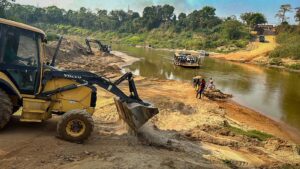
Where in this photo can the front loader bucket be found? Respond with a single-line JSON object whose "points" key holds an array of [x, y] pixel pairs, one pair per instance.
{"points": [[135, 114]]}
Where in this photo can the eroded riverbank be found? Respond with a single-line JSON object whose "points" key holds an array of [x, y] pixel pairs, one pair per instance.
{"points": [[187, 133], [236, 111], [263, 89], [190, 113]]}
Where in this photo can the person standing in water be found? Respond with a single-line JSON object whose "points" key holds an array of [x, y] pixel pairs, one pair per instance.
{"points": [[201, 89]]}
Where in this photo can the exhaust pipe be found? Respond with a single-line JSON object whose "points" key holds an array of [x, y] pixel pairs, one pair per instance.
{"points": [[56, 51]]}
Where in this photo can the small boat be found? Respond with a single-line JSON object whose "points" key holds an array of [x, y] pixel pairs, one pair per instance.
{"points": [[187, 60], [203, 53]]}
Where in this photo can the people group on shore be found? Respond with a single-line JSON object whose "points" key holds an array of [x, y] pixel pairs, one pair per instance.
{"points": [[200, 86]]}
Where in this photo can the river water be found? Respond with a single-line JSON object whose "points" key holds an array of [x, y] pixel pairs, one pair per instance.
{"points": [[271, 91]]}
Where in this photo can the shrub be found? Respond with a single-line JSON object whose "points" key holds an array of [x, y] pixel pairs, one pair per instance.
{"points": [[233, 30], [134, 40], [289, 46], [275, 53], [241, 43], [295, 66], [276, 61], [52, 36], [261, 136]]}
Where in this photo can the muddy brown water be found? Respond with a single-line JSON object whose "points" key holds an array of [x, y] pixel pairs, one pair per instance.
{"points": [[273, 92]]}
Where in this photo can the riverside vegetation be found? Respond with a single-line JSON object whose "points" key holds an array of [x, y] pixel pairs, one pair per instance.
{"points": [[159, 27], [289, 46]]}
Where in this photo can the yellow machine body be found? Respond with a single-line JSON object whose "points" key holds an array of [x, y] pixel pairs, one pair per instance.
{"points": [[42, 90], [37, 110], [79, 98]]}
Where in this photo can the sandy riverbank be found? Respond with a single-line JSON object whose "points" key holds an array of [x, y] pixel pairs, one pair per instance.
{"points": [[127, 60], [187, 133], [243, 117], [242, 114], [171, 100], [258, 53]]}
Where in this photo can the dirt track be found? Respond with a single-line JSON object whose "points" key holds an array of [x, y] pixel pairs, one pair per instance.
{"points": [[258, 53], [255, 52], [188, 133]]}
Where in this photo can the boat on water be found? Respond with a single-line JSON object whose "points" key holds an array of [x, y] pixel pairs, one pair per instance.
{"points": [[187, 60]]}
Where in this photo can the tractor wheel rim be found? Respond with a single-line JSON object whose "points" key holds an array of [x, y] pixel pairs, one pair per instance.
{"points": [[75, 128]]}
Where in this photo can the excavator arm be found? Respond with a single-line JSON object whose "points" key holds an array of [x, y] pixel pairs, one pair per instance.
{"points": [[102, 47], [133, 110], [87, 78]]}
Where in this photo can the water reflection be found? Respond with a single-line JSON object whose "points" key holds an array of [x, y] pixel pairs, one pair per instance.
{"points": [[271, 91]]}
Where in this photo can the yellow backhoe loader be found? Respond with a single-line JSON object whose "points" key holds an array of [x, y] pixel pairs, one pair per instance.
{"points": [[42, 90]]}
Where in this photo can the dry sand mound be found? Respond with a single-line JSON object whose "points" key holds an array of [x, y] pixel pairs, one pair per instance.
{"points": [[67, 51], [73, 56]]}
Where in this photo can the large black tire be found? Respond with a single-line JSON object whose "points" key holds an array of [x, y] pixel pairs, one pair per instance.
{"points": [[6, 109], [66, 132]]}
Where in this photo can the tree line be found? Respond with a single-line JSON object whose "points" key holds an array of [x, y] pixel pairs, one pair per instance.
{"points": [[201, 28], [121, 21], [130, 21]]}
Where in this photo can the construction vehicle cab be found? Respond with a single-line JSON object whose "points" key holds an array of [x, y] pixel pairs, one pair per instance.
{"points": [[42, 90]]}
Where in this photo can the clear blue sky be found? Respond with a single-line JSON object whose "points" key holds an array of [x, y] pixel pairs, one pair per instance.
{"points": [[224, 7]]}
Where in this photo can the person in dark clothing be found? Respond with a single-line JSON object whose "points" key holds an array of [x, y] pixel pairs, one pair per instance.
{"points": [[201, 88]]}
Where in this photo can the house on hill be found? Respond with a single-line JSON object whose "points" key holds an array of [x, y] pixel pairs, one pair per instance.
{"points": [[264, 29]]}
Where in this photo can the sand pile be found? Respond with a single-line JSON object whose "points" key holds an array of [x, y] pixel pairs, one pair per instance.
{"points": [[67, 51], [73, 56]]}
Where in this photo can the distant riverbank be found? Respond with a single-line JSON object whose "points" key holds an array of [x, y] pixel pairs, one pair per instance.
{"points": [[258, 53]]}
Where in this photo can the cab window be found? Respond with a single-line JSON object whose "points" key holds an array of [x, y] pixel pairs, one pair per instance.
{"points": [[21, 49], [20, 58]]}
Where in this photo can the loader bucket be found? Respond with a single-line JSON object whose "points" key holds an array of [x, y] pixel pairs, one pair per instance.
{"points": [[135, 114]]}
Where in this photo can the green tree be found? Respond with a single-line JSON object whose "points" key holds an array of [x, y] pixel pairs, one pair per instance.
{"points": [[4, 4], [204, 18], [135, 15], [181, 16], [281, 14], [102, 12], [152, 17], [252, 19], [167, 12], [54, 14], [232, 29]]}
